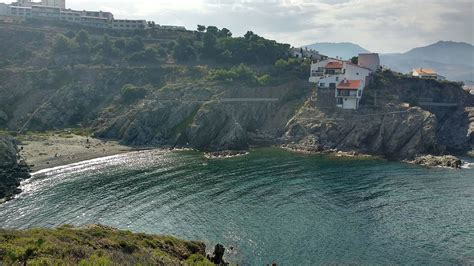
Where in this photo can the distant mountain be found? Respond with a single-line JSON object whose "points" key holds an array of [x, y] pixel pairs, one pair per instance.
{"points": [[346, 50], [454, 60]]}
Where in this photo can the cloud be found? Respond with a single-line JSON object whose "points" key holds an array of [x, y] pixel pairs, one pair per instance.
{"points": [[378, 25]]}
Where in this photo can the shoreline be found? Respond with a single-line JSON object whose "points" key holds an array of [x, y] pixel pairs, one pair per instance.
{"points": [[52, 150]]}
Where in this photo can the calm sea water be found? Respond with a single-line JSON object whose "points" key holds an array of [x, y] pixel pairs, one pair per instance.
{"points": [[271, 205]]}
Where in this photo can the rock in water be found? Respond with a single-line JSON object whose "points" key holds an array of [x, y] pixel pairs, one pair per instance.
{"points": [[434, 161], [218, 255]]}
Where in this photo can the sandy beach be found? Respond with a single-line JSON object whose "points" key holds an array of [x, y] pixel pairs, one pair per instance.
{"points": [[51, 150]]}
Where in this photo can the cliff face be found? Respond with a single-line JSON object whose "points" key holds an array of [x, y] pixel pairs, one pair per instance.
{"points": [[179, 109], [11, 171], [393, 134]]}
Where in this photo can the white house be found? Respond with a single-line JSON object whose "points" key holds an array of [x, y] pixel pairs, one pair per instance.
{"points": [[426, 73], [349, 93], [345, 78]]}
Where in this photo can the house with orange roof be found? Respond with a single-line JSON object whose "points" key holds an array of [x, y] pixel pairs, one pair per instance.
{"points": [[426, 73], [348, 80], [348, 94]]}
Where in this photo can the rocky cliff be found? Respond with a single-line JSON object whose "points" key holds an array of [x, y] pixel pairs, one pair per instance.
{"points": [[12, 171], [168, 103], [395, 121]]}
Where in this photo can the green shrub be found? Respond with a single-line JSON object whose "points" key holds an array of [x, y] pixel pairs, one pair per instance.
{"points": [[63, 44], [132, 93]]}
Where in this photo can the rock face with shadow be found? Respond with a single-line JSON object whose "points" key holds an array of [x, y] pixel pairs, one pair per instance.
{"points": [[12, 169]]}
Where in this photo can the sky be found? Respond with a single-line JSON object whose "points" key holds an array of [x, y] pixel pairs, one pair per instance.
{"points": [[377, 25]]}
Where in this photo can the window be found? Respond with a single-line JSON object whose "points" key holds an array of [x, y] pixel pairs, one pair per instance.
{"points": [[321, 85], [337, 78], [357, 74]]}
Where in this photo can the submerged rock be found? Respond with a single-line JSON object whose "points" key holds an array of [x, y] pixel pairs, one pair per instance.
{"points": [[438, 161]]}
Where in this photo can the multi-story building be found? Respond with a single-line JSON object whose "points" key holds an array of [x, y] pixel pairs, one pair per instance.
{"points": [[56, 10], [55, 3], [348, 80], [127, 24]]}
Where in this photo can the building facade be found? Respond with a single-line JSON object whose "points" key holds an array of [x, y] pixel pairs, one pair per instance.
{"points": [[346, 79], [54, 3], [56, 10], [426, 73], [370, 61]]}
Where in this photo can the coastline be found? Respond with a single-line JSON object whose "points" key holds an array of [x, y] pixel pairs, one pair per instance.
{"points": [[52, 150]]}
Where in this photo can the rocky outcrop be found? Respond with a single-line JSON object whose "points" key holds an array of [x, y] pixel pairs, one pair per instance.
{"points": [[180, 112], [393, 134], [438, 161], [12, 170]]}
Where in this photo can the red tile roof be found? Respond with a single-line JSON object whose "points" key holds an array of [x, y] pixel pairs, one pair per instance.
{"points": [[349, 85], [334, 65]]}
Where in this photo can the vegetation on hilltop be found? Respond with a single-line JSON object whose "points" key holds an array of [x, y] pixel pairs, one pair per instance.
{"points": [[96, 245]]}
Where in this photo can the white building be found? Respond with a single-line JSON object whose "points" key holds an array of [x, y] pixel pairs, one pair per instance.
{"points": [[127, 24], [346, 79], [307, 53], [370, 61], [4, 9], [426, 73], [56, 9], [54, 3]]}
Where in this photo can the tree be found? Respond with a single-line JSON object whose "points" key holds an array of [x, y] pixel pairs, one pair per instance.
{"points": [[225, 33], [120, 44], [135, 45], [201, 28], [212, 30], [249, 35], [184, 50], [82, 37], [209, 45], [70, 34], [62, 44], [355, 60], [107, 48]]}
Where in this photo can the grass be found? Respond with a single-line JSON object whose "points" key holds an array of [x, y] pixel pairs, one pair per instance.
{"points": [[96, 245]]}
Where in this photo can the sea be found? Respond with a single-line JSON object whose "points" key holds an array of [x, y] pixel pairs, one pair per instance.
{"points": [[270, 206]]}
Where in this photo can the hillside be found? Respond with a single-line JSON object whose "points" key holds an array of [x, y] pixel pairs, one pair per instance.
{"points": [[451, 59], [346, 50], [96, 245], [210, 91]]}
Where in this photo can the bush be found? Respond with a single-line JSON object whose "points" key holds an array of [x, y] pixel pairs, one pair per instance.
{"points": [[63, 44], [131, 93], [240, 73]]}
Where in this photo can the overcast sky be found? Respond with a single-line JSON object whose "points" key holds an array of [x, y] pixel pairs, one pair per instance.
{"points": [[377, 25]]}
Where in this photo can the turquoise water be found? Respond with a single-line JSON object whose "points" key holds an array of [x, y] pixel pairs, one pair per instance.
{"points": [[271, 205]]}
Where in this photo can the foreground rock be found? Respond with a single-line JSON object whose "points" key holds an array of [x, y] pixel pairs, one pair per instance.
{"points": [[438, 161], [96, 245], [12, 168]]}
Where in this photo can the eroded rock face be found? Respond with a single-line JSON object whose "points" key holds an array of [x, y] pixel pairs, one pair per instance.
{"points": [[12, 171], [438, 161], [393, 135]]}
